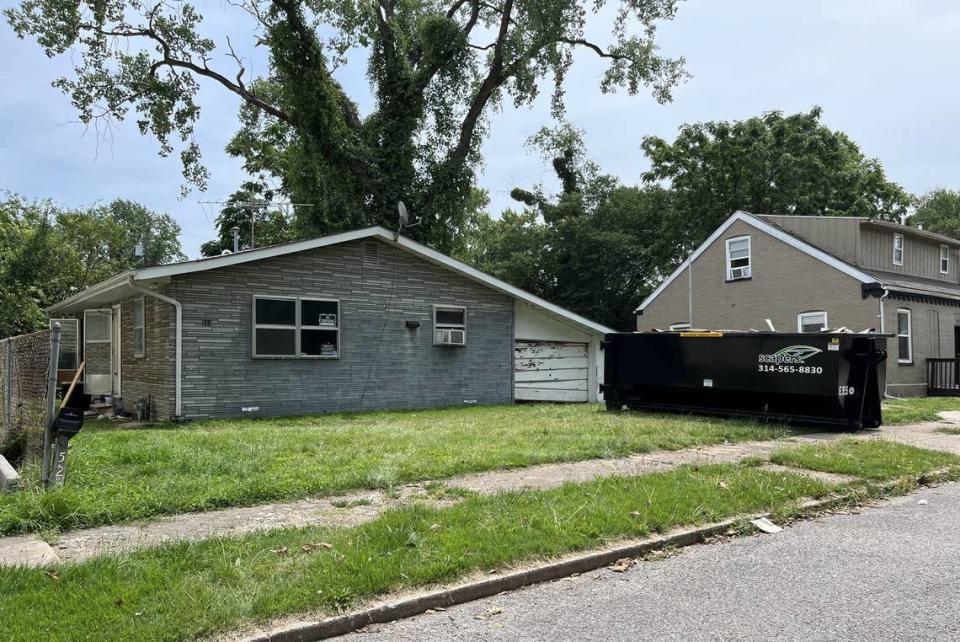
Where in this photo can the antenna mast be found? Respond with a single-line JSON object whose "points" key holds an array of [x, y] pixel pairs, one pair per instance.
{"points": [[255, 204]]}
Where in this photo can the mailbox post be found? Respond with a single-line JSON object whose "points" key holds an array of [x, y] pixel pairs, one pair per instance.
{"points": [[68, 423]]}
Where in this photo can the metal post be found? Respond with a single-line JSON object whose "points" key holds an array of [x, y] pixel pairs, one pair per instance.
{"points": [[51, 402], [8, 387]]}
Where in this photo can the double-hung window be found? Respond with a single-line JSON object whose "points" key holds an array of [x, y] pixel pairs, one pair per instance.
{"points": [[812, 321], [449, 325], [738, 258], [944, 259], [139, 337], [296, 327], [904, 336], [898, 249]]}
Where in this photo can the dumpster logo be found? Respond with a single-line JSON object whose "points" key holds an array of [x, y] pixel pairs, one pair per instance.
{"points": [[790, 354]]}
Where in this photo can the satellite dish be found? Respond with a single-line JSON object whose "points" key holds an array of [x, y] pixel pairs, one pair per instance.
{"points": [[404, 216]]}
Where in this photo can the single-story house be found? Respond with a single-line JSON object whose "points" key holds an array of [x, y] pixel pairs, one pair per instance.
{"points": [[353, 321], [804, 273]]}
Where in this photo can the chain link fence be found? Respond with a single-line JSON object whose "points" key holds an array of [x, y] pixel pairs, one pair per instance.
{"points": [[24, 363]]}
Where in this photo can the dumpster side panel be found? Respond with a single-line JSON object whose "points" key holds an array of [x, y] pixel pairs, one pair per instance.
{"points": [[823, 378]]}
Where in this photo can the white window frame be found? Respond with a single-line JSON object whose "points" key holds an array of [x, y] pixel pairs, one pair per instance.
{"points": [[679, 326], [297, 327], [141, 328], [908, 334], [944, 259], [812, 313], [749, 265], [898, 247], [449, 326]]}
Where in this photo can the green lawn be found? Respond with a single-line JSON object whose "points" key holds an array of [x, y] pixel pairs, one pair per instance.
{"points": [[869, 459], [916, 409], [117, 475], [188, 590]]}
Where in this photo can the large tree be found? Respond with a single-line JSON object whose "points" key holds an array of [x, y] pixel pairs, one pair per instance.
{"points": [[595, 247], [435, 69], [939, 211], [48, 252], [770, 164]]}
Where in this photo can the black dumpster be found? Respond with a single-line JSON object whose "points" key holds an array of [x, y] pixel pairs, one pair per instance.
{"points": [[832, 379]]}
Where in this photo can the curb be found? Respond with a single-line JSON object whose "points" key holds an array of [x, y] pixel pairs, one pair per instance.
{"points": [[452, 596], [443, 598]]}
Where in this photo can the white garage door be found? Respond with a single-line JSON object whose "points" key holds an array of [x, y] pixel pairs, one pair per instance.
{"points": [[550, 371]]}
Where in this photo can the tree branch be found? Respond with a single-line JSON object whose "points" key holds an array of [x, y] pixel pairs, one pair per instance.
{"points": [[599, 51]]}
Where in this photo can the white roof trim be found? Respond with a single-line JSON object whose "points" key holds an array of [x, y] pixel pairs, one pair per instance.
{"points": [[380, 233], [771, 230]]}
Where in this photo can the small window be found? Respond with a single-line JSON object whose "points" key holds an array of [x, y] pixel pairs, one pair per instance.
{"points": [[738, 258], [898, 249], [296, 327], [679, 326], [904, 337], [449, 325], [68, 358], [944, 259], [811, 322], [139, 338]]}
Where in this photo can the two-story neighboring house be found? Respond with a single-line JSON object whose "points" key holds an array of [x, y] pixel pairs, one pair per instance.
{"points": [[804, 273]]}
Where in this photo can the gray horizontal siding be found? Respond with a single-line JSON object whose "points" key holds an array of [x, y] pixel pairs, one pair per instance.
{"points": [[383, 364]]}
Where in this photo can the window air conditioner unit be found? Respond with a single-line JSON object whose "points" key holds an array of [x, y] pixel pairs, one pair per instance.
{"points": [[739, 273], [449, 337]]}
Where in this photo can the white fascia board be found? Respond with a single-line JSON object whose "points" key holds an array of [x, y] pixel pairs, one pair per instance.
{"points": [[166, 271], [201, 265], [120, 280], [771, 230], [481, 277]]}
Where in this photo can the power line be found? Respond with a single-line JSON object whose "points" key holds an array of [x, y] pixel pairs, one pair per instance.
{"points": [[251, 205]]}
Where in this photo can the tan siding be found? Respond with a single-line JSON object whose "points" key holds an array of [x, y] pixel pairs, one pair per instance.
{"points": [[921, 257], [910, 379], [838, 236], [785, 282]]}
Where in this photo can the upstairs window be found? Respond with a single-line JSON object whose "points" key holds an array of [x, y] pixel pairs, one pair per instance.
{"points": [[812, 321], [738, 258], [139, 338], [904, 337], [944, 259], [449, 325], [898, 249], [296, 327]]}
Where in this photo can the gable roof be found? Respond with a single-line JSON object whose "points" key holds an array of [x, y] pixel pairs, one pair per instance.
{"points": [[118, 287], [772, 230]]}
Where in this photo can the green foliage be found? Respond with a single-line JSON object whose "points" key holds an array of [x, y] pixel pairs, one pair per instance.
{"points": [[436, 68], [939, 211], [267, 225], [771, 164], [154, 594], [121, 475], [595, 249], [48, 253]]}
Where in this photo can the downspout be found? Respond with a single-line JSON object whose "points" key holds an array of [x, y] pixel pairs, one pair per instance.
{"points": [[883, 325], [178, 367]]}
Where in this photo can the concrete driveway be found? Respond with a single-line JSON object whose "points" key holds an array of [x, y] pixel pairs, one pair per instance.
{"points": [[891, 572]]}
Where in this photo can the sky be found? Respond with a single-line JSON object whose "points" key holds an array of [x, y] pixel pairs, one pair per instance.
{"points": [[885, 72]]}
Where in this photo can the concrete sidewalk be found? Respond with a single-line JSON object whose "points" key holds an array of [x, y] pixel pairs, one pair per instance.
{"points": [[360, 507]]}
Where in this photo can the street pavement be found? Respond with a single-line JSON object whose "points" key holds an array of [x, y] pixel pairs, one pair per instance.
{"points": [[890, 572]]}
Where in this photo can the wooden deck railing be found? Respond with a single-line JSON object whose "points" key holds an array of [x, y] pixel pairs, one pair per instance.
{"points": [[943, 377]]}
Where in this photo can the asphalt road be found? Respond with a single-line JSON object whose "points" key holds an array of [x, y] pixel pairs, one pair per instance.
{"points": [[888, 573]]}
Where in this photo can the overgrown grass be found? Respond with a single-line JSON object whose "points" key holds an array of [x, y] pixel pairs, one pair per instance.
{"points": [[192, 589], [914, 410], [949, 430], [117, 475], [869, 459]]}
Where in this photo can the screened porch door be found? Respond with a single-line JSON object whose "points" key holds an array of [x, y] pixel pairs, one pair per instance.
{"points": [[98, 352]]}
